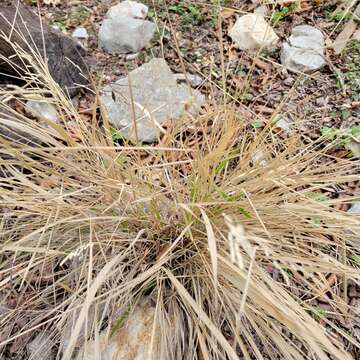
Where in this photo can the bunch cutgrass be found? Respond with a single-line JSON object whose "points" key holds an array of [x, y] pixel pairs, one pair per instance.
{"points": [[197, 222]]}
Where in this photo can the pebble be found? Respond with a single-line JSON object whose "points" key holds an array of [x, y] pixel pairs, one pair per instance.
{"points": [[123, 35], [354, 209], [80, 33], [289, 81]]}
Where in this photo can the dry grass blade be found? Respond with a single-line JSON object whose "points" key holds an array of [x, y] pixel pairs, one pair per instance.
{"points": [[212, 246], [202, 315]]}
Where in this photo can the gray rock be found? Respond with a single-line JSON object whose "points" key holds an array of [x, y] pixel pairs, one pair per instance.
{"points": [[42, 347], [156, 98], [355, 209], [42, 109], [304, 51], [123, 35], [131, 9], [80, 33]]}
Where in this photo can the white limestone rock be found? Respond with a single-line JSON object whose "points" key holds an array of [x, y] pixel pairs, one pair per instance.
{"points": [[131, 9], [123, 35], [252, 32]]}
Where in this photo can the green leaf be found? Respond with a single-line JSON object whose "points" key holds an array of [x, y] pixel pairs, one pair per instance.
{"points": [[116, 135], [355, 130], [221, 166], [356, 258], [317, 196], [329, 133], [257, 124], [120, 322], [245, 213], [317, 311], [279, 15]]}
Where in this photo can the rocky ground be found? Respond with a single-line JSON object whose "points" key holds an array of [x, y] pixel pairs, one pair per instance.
{"points": [[313, 100], [315, 95], [186, 35]]}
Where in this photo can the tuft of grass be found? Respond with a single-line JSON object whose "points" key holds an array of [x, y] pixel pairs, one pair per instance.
{"points": [[88, 223]]}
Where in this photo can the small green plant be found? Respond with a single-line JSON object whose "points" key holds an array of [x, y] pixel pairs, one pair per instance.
{"points": [[329, 133], [191, 14], [79, 14], [355, 130], [60, 23], [116, 135], [279, 15], [215, 10], [338, 16], [341, 136], [316, 311], [317, 196], [257, 124]]}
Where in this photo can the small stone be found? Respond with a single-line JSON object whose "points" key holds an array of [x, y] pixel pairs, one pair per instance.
{"points": [[258, 158], [80, 33], [356, 35], [131, 9], [355, 209], [322, 101], [42, 109], [284, 124], [42, 347], [156, 96], [307, 37], [194, 80], [122, 35], [289, 81], [132, 56], [304, 51], [252, 32]]}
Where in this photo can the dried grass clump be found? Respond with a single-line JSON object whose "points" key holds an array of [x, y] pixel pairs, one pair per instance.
{"points": [[232, 250]]}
